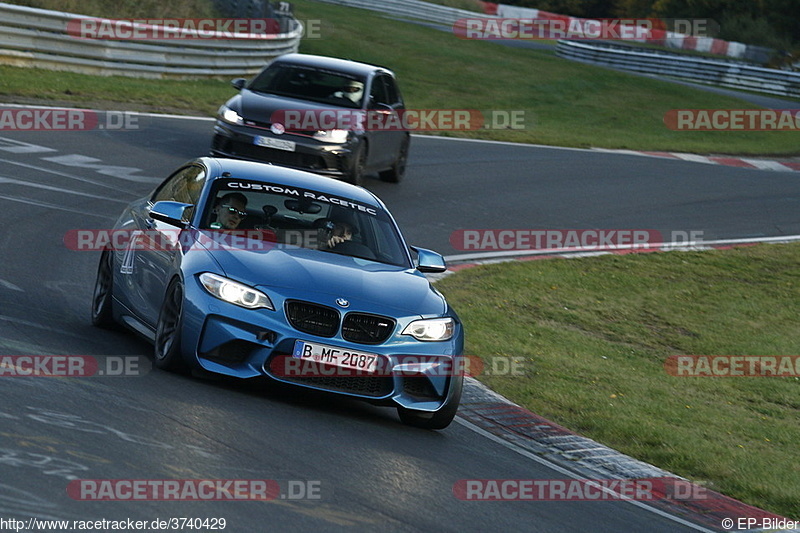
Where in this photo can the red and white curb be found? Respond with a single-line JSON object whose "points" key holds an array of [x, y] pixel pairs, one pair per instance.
{"points": [[487, 413], [728, 161], [536, 438]]}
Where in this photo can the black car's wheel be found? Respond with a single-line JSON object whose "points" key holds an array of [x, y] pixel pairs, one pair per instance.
{"points": [[398, 170], [168, 351], [438, 420], [356, 176], [102, 314]]}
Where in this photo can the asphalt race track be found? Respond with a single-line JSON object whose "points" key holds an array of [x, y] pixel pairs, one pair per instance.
{"points": [[369, 471]]}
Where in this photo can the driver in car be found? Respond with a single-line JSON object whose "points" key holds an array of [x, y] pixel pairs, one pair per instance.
{"points": [[230, 210], [353, 90]]}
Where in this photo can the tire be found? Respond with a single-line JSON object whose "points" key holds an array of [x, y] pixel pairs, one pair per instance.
{"points": [[438, 420], [356, 176], [398, 170], [168, 349], [102, 297]]}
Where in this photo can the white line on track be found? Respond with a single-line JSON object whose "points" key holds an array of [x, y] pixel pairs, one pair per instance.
{"points": [[137, 113], [97, 165], [53, 206], [114, 188], [12, 181], [9, 285]]}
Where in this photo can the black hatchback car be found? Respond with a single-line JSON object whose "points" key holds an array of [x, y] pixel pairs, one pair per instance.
{"points": [[295, 113]]}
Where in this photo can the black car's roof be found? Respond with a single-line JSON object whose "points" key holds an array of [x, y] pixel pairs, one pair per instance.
{"points": [[266, 173], [346, 66]]}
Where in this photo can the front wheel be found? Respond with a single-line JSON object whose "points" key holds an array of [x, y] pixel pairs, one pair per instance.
{"points": [[168, 351], [102, 314], [398, 170], [356, 176], [438, 420]]}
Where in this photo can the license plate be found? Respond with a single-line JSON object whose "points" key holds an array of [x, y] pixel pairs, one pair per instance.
{"points": [[278, 144], [332, 355]]}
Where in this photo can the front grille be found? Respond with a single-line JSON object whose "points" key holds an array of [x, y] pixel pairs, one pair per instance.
{"points": [[375, 386], [279, 157], [327, 377], [312, 318], [258, 124], [367, 329], [268, 126]]}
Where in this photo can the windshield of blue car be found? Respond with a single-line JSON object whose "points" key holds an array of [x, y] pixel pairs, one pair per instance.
{"points": [[307, 83], [294, 218]]}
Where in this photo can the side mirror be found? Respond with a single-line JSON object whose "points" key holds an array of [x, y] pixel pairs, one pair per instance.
{"points": [[173, 213], [379, 107], [429, 261], [238, 83]]}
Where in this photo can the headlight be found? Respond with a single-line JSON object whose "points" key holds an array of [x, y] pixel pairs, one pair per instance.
{"points": [[234, 292], [435, 329], [229, 115], [332, 136]]}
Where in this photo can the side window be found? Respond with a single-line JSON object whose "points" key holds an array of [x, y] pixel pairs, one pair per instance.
{"points": [[377, 92], [195, 180], [392, 93], [183, 186]]}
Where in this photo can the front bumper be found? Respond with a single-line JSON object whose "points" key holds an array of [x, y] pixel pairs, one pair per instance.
{"points": [[238, 142], [225, 339]]}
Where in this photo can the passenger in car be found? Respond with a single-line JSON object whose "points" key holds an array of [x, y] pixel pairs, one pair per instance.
{"points": [[341, 232]]}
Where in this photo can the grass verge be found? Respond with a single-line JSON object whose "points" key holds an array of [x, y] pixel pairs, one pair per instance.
{"points": [[592, 336], [565, 103]]}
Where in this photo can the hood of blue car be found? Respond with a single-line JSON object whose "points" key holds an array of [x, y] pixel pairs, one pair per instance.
{"points": [[322, 276]]}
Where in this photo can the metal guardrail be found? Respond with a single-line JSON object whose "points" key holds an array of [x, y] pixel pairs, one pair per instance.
{"points": [[725, 73], [412, 9], [33, 37]]}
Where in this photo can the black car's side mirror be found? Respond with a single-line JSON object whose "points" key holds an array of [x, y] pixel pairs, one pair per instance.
{"points": [[380, 107], [173, 213], [429, 261], [238, 83]]}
